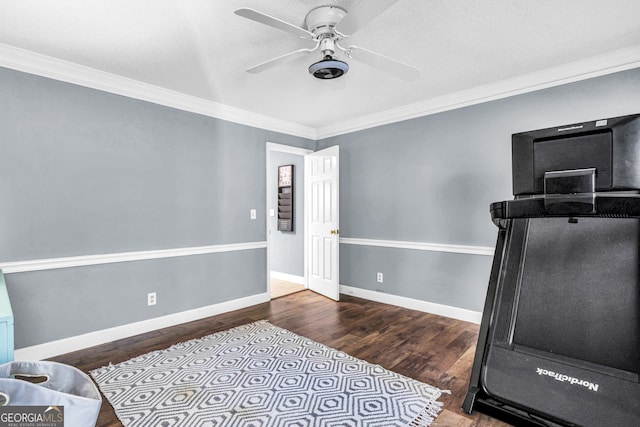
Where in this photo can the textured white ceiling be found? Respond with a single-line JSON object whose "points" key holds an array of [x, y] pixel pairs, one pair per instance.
{"points": [[200, 48]]}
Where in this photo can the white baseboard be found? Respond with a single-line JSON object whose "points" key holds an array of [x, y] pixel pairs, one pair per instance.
{"points": [[67, 345], [414, 304], [288, 277]]}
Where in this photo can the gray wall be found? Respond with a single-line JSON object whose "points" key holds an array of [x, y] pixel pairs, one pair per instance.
{"points": [[54, 304], [287, 248], [86, 172], [431, 179]]}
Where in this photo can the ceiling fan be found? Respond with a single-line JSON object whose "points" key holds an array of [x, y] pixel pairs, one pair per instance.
{"points": [[328, 27]]}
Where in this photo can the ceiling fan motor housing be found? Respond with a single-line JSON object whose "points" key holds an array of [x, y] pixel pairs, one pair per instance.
{"points": [[321, 22]]}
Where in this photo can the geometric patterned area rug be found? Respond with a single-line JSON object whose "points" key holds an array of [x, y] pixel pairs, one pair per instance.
{"points": [[260, 375]]}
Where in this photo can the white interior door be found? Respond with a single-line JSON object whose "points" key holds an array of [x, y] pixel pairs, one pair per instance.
{"points": [[321, 213]]}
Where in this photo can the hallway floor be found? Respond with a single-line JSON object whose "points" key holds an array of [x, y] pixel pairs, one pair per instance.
{"points": [[281, 288]]}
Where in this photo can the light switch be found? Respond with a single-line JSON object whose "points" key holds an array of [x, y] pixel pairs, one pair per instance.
{"points": [[272, 212], [253, 214]]}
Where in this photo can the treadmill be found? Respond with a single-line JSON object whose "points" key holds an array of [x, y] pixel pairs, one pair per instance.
{"points": [[559, 342]]}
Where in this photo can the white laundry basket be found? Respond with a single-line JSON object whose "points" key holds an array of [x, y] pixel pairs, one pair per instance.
{"points": [[64, 386]]}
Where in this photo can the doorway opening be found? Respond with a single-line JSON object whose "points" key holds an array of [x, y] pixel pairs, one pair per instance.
{"points": [[286, 272]]}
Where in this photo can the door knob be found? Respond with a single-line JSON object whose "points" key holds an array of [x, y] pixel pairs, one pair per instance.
{"points": [[337, 231]]}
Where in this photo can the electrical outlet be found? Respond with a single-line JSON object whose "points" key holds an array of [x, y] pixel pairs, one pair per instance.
{"points": [[151, 298], [380, 278]]}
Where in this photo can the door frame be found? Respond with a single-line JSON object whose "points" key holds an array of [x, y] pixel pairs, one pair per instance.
{"points": [[271, 147]]}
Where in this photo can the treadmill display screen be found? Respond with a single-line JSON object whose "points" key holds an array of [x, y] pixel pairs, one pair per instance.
{"points": [[575, 152], [579, 295]]}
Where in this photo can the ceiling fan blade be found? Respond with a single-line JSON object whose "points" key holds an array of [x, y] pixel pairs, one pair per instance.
{"points": [[278, 60], [384, 63], [265, 19], [361, 14]]}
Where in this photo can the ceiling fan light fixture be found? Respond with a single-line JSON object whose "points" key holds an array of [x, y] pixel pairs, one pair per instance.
{"points": [[328, 68]]}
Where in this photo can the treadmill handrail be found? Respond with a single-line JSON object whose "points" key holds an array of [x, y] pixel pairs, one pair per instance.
{"points": [[606, 206]]}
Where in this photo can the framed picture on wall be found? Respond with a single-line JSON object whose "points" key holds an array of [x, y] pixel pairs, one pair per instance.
{"points": [[285, 176], [285, 198]]}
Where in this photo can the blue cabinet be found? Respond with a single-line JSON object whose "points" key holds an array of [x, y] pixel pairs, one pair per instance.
{"points": [[6, 323]]}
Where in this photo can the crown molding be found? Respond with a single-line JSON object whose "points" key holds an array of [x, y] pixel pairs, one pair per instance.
{"points": [[611, 62], [46, 66], [69, 72]]}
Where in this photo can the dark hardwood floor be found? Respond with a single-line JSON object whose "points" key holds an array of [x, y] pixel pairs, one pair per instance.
{"points": [[433, 349]]}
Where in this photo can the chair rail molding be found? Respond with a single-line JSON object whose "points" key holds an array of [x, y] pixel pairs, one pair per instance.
{"points": [[84, 260], [420, 246]]}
